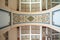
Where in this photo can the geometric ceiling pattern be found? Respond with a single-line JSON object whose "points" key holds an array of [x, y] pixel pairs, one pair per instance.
{"points": [[34, 18]]}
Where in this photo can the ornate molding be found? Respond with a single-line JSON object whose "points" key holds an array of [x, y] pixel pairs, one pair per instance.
{"points": [[34, 18]]}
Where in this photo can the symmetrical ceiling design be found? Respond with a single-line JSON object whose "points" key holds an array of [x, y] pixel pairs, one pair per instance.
{"points": [[48, 18]]}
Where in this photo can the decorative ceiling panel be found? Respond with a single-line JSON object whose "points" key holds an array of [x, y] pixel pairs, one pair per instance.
{"points": [[34, 18]]}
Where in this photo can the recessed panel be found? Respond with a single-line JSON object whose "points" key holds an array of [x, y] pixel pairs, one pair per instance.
{"points": [[35, 7], [4, 18], [56, 18], [25, 8]]}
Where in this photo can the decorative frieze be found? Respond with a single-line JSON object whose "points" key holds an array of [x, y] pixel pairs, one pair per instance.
{"points": [[34, 18]]}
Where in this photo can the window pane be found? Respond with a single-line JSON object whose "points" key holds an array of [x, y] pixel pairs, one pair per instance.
{"points": [[35, 7], [25, 8]]}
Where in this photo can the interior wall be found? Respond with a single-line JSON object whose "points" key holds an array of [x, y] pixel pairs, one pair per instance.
{"points": [[12, 34], [1, 36], [2, 3], [12, 4]]}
